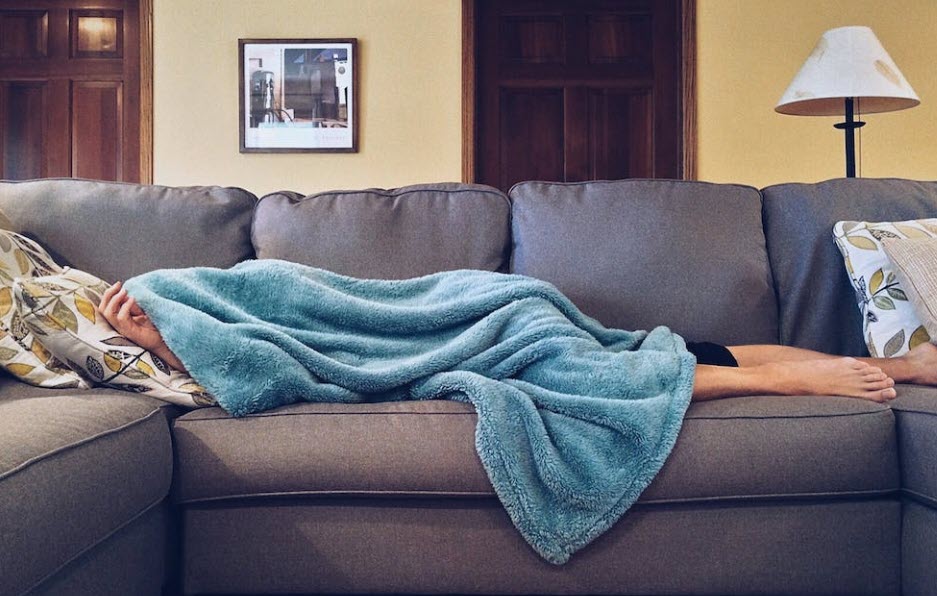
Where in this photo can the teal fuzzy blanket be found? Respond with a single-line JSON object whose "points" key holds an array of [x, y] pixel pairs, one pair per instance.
{"points": [[574, 420]]}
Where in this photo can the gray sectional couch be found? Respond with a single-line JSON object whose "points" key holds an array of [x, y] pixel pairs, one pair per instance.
{"points": [[104, 492]]}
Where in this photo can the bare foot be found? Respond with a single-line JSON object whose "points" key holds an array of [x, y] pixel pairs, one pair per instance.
{"points": [[836, 376], [922, 364]]}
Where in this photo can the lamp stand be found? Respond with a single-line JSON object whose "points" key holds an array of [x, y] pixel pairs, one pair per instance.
{"points": [[849, 127]]}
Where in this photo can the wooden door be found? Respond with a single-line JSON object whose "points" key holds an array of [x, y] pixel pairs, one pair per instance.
{"points": [[571, 90], [70, 89]]}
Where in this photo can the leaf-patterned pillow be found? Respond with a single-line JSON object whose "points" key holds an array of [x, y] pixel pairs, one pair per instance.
{"points": [[21, 353], [889, 323], [63, 309]]}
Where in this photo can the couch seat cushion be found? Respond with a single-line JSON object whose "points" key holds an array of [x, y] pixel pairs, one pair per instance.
{"points": [[75, 466], [916, 420], [740, 448]]}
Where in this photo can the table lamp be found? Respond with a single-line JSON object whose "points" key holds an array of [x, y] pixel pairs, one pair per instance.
{"points": [[848, 71]]}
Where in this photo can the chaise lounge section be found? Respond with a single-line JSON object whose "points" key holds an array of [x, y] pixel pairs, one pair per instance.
{"points": [[104, 492]]}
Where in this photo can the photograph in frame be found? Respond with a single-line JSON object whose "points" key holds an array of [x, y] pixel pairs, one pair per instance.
{"points": [[298, 95]]}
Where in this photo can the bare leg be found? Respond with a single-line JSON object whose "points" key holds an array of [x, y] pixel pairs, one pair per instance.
{"points": [[917, 366], [848, 377]]}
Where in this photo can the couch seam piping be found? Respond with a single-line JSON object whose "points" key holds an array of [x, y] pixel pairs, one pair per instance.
{"points": [[180, 420], [921, 498], [124, 183], [791, 417], [912, 411], [585, 182], [38, 458], [491, 495], [389, 193], [183, 420]]}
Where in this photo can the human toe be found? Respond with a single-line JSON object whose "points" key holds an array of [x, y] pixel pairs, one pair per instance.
{"points": [[874, 374], [888, 394]]}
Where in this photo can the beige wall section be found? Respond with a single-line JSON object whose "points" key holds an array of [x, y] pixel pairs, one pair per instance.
{"points": [[749, 50], [410, 85]]}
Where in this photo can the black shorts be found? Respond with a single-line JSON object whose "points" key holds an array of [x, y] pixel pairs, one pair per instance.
{"points": [[710, 353]]}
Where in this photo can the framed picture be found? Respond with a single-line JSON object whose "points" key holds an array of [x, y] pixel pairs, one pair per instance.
{"points": [[298, 95]]}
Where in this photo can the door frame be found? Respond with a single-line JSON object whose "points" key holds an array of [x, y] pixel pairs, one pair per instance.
{"points": [[146, 91], [687, 84]]}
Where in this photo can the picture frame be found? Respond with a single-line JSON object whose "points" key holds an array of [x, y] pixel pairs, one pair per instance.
{"points": [[298, 95]]}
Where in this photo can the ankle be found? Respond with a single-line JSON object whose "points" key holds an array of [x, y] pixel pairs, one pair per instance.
{"points": [[903, 369], [773, 378]]}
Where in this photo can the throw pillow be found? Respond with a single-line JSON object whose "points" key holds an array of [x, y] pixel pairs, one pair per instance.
{"points": [[890, 325], [915, 263], [63, 309], [21, 352]]}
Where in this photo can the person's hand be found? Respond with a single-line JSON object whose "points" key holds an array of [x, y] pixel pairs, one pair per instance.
{"points": [[128, 319]]}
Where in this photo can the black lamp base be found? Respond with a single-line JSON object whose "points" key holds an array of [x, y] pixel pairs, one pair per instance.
{"points": [[849, 127]]}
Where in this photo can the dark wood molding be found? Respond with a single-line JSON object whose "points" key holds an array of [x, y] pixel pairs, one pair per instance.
{"points": [[468, 90], [146, 91], [689, 89]]}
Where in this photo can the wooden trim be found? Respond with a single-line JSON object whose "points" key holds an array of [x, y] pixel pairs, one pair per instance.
{"points": [[146, 91], [468, 90], [688, 36]]}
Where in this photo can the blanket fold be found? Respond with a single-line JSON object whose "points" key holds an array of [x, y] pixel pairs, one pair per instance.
{"points": [[574, 419]]}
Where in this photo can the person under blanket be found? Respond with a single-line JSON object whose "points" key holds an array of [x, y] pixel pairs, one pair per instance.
{"points": [[720, 371]]}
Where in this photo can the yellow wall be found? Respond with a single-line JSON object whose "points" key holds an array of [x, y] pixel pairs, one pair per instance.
{"points": [[410, 70], [410, 89], [749, 50]]}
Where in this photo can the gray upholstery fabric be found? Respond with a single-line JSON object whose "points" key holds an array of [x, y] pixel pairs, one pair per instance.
{"points": [[422, 448], [640, 253], [728, 449], [127, 562], [388, 234], [459, 546], [779, 447], [5, 223], [74, 467], [918, 550], [117, 230], [916, 418], [818, 307]]}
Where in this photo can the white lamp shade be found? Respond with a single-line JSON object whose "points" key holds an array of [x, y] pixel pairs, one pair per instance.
{"points": [[847, 62]]}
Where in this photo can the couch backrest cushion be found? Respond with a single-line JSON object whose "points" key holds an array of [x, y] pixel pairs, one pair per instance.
{"points": [[818, 308], [388, 234], [117, 230], [640, 253]]}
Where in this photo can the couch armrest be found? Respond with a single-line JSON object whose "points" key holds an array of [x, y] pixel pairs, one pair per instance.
{"points": [[83, 477]]}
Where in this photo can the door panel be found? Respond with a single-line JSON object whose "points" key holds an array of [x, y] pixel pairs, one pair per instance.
{"points": [[96, 33], [96, 130], [577, 90], [22, 105], [532, 143], [622, 133], [532, 40], [70, 89], [620, 38], [24, 34]]}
